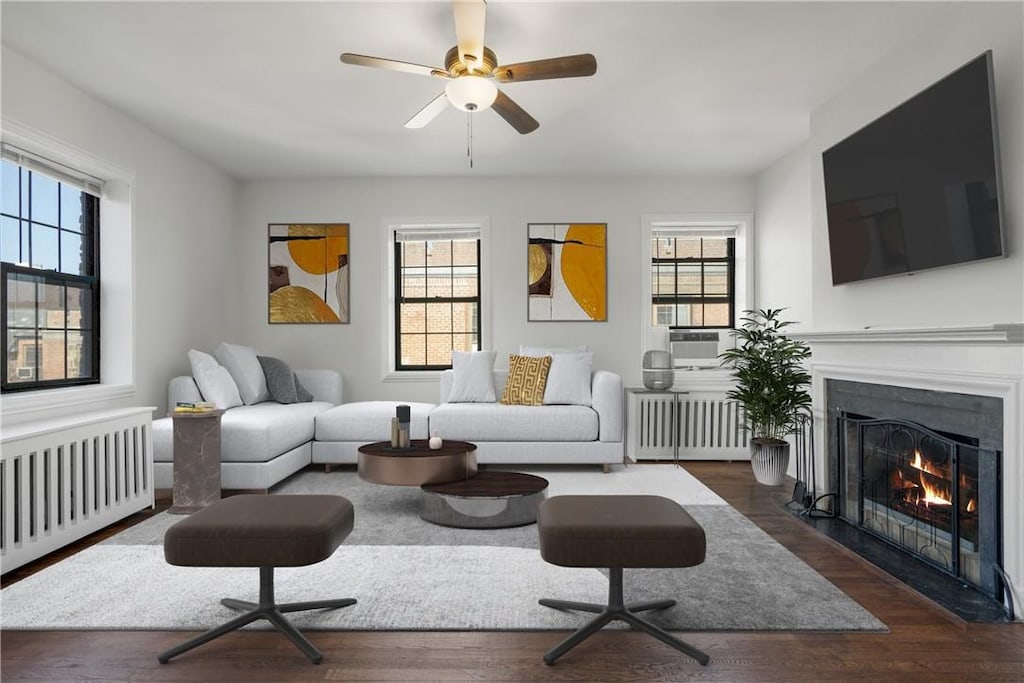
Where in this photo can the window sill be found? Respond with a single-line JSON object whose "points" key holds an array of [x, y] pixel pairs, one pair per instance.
{"points": [[25, 405]]}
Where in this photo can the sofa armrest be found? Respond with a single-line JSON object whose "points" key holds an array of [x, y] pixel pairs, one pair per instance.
{"points": [[325, 385], [182, 388], [606, 394]]}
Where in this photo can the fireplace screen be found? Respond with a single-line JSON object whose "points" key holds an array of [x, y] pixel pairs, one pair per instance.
{"points": [[935, 496]]}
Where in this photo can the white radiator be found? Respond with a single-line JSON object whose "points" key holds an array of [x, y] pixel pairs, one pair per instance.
{"points": [[686, 426], [63, 479]]}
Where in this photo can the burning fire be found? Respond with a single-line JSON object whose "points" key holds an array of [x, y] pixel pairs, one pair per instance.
{"points": [[931, 494]]}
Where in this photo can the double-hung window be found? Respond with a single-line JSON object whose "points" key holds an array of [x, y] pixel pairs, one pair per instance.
{"points": [[693, 277], [437, 294], [49, 274]]}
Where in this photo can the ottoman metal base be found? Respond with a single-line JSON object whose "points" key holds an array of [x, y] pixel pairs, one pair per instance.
{"points": [[264, 609], [616, 609]]}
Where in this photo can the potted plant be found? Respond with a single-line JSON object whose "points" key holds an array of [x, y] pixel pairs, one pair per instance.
{"points": [[771, 385]]}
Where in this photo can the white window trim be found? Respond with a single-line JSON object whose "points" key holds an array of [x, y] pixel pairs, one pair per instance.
{"points": [[656, 337], [117, 285], [388, 225]]}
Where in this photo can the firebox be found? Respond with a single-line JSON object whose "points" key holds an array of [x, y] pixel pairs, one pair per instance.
{"points": [[934, 495], [914, 482]]}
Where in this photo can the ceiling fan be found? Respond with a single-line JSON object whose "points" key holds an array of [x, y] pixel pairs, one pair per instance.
{"points": [[472, 70]]}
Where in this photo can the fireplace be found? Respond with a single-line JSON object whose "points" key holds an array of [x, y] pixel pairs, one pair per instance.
{"points": [[916, 476], [932, 495]]}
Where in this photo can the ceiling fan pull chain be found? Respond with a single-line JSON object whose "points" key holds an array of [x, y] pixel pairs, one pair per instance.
{"points": [[469, 137]]}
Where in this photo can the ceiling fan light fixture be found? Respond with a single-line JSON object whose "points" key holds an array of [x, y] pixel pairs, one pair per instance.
{"points": [[471, 93]]}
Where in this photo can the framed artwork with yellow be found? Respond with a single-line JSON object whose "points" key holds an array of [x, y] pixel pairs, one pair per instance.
{"points": [[308, 273], [567, 272]]}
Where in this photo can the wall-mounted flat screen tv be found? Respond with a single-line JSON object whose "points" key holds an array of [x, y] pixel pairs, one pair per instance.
{"points": [[919, 187]]}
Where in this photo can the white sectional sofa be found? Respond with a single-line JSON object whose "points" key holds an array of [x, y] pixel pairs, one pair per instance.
{"points": [[265, 442], [260, 444]]}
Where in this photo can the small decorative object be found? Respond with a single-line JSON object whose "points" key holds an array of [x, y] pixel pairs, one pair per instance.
{"points": [[403, 414], [394, 432], [435, 441], [771, 385], [657, 370]]}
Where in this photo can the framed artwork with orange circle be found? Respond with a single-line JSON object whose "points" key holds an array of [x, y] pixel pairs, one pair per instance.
{"points": [[308, 273], [567, 267]]}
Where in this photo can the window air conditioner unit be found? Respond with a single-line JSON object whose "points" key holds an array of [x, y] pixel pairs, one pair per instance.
{"points": [[26, 373], [698, 349]]}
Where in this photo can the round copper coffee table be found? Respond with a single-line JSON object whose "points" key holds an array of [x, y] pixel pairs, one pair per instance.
{"points": [[417, 465]]}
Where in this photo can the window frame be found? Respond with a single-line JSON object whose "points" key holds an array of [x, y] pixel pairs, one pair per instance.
{"points": [[741, 225], [390, 371], [64, 177], [703, 298], [452, 300]]}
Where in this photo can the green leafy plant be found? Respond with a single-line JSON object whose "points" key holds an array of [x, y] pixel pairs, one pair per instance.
{"points": [[770, 377]]}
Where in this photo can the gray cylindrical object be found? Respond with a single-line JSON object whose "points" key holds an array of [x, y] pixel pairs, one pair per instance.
{"points": [[657, 370]]}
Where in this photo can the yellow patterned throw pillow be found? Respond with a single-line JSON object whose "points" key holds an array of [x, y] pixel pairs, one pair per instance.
{"points": [[527, 377]]}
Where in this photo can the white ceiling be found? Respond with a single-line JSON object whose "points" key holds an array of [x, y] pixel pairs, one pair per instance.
{"points": [[258, 90]]}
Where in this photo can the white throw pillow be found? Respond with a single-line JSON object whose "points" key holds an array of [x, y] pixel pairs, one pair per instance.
{"points": [[245, 369], [569, 379], [474, 377], [214, 380], [550, 350]]}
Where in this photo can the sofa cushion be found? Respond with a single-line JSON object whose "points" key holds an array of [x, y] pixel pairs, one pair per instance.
{"points": [[569, 379], [245, 369], [474, 380], [283, 385], [527, 377], [497, 422], [369, 421], [214, 382], [261, 432]]}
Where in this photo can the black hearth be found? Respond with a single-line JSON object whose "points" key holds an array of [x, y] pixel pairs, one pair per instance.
{"points": [[916, 478]]}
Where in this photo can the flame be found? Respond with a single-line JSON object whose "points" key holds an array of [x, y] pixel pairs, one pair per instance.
{"points": [[971, 505], [934, 495], [925, 466]]}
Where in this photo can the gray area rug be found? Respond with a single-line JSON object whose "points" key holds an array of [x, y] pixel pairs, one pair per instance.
{"points": [[408, 574]]}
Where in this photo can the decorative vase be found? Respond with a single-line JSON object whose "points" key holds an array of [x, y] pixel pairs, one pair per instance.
{"points": [[769, 458], [435, 442]]}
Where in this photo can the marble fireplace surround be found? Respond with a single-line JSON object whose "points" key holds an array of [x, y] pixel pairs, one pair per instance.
{"points": [[981, 360]]}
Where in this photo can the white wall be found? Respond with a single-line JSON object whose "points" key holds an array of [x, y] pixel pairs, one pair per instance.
{"points": [[510, 203], [183, 216], [782, 248], [968, 294]]}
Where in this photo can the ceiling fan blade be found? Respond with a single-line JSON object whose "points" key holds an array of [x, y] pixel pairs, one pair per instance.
{"points": [[393, 65], [571, 66], [429, 112], [514, 114], [470, 17]]}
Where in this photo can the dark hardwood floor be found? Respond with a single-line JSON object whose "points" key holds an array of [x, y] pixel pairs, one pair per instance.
{"points": [[925, 643]]}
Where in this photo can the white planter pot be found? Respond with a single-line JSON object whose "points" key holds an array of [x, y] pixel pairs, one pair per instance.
{"points": [[769, 460]]}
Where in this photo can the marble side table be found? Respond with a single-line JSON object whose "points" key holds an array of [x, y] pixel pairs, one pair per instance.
{"points": [[196, 461]]}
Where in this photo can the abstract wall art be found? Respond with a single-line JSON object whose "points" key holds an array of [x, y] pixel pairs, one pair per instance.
{"points": [[307, 277], [567, 276]]}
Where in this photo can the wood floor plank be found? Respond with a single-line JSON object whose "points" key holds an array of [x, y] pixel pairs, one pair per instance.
{"points": [[925, 642]]}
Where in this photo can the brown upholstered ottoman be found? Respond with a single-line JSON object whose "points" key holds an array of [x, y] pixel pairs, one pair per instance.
{"points": [[261, 531], [617, 532]]}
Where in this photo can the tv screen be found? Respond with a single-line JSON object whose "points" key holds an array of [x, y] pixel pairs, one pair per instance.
{"points": [[918, 188]]}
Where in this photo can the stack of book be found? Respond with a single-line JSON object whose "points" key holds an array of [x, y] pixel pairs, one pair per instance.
{"points": [[194, 407]]}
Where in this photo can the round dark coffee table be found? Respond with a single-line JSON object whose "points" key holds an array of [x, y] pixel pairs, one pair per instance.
{"points": [[490, 500], [379, 463]]}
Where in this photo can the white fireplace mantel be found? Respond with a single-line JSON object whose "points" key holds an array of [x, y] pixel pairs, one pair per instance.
{"points": [[998, 333], [986, 360]]}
